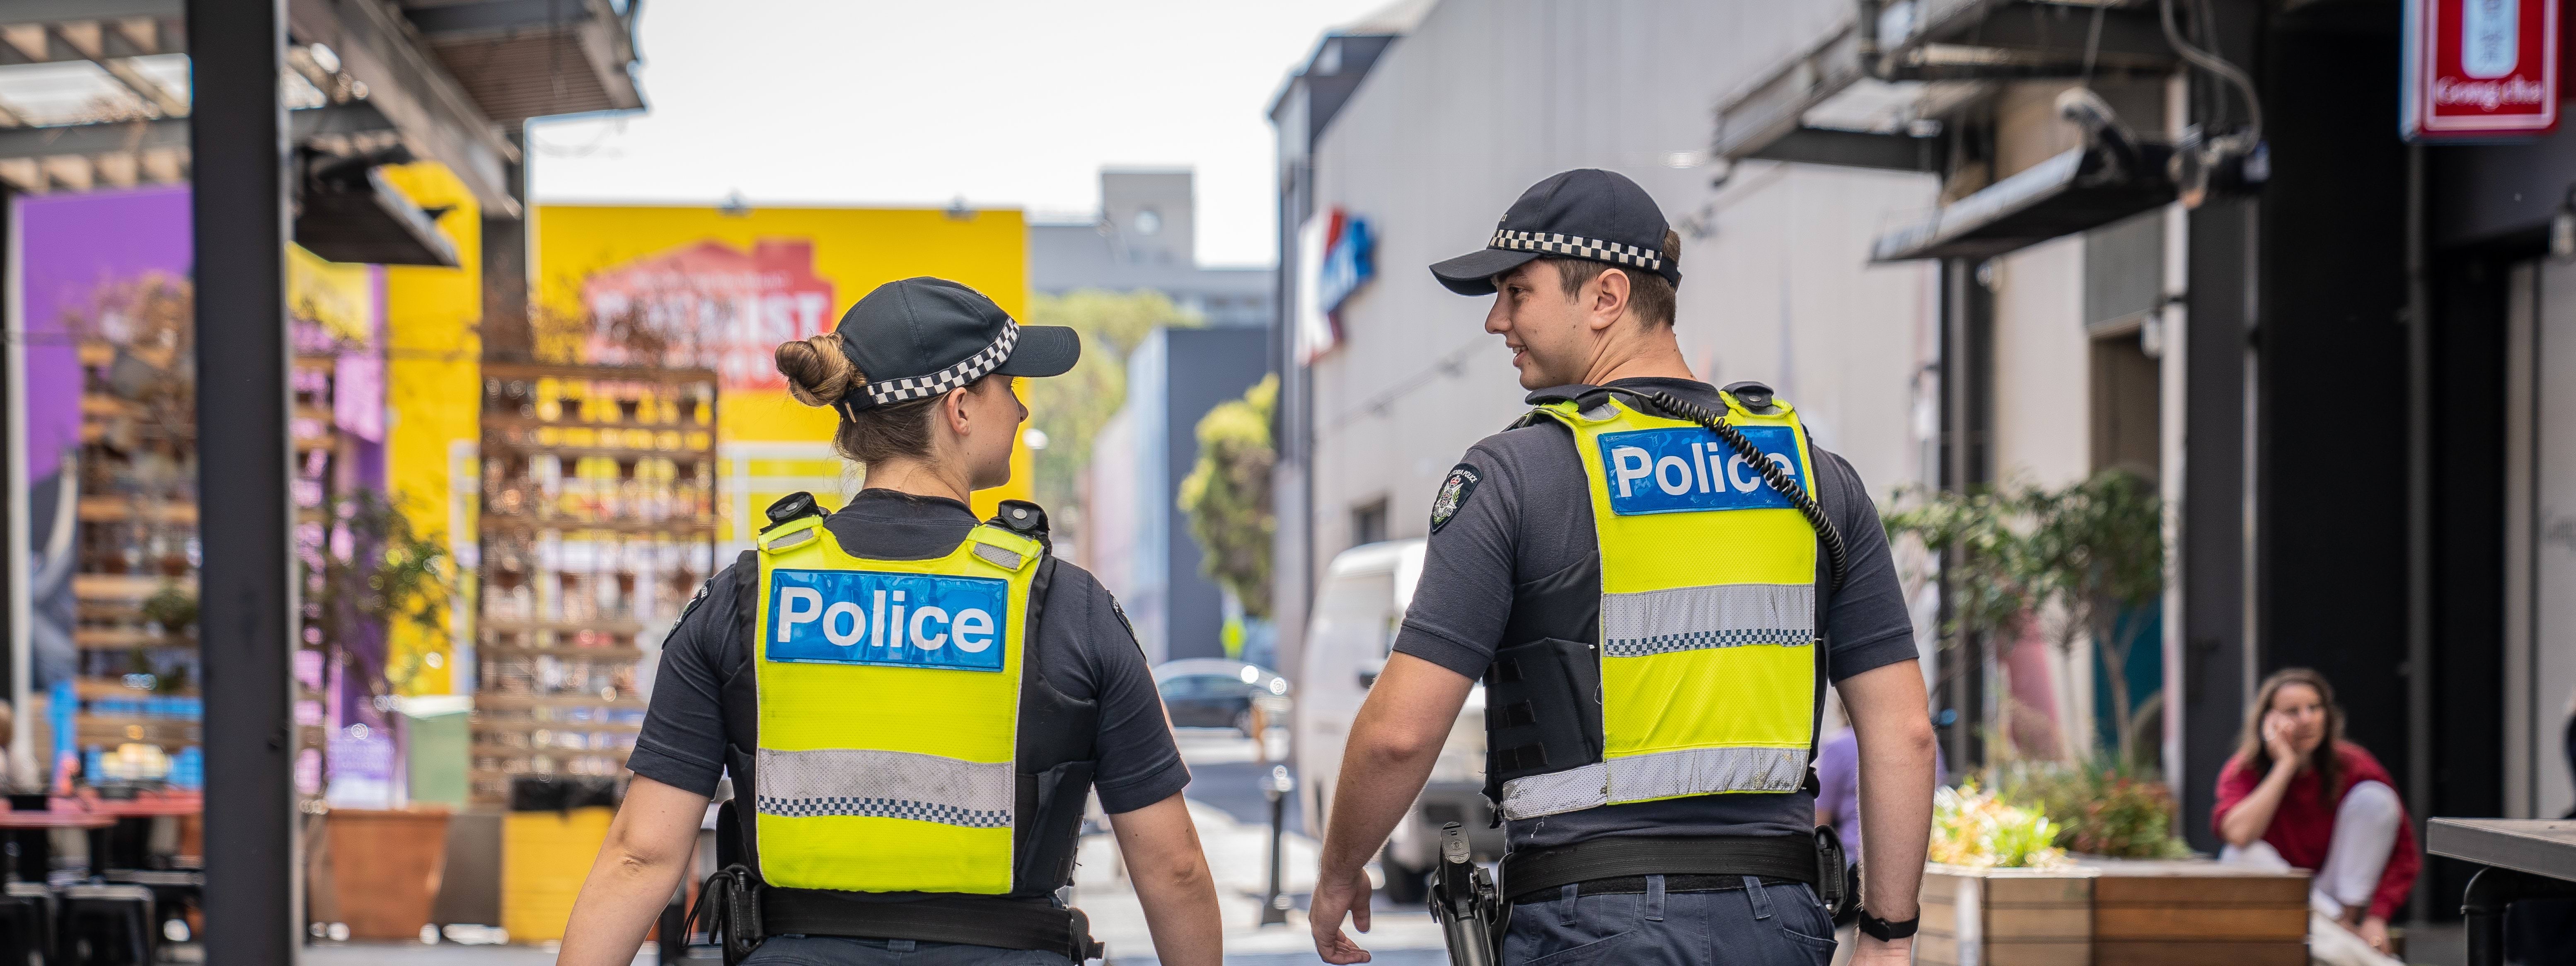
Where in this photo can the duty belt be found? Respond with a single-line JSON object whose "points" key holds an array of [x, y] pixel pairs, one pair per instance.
{"points": [[1797, 858], [738, 914]]}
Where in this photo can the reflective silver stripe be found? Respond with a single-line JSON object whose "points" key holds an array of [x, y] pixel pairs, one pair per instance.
{"points": [[1571, 790], [997, 556], [1663, 774], [1702, 771], [1691, 618], [888, 784]]}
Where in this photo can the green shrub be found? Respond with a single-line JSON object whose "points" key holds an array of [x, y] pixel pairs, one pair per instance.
{"points": [[173, 607], [2099, 809], [1974, 828]]}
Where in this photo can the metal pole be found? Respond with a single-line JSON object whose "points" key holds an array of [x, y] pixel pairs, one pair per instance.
{"points": [[2419, 516], [248, 604], [1276, 786]]}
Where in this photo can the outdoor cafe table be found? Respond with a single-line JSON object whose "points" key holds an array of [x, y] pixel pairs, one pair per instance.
{"points": [[2523, 859], [35, 851], [124, 846]]}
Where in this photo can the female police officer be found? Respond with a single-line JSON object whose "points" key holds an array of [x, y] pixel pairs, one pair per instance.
{"points": [[912, 706]]}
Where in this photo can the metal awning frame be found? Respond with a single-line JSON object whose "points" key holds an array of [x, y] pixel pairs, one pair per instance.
{"points": [[1942, 40], [380, 49], [2075, 190]]}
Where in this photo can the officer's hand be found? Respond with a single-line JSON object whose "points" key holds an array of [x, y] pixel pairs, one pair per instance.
{"points": [[1324, 911], [1874, 951]]}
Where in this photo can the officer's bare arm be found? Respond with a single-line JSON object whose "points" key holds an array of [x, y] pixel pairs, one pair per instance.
{"points": [[1161, 847], [1891, 715], [1393, 744], [648, 850]]}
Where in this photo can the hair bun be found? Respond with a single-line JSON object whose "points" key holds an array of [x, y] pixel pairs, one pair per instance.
{"points": [[818, 372]]}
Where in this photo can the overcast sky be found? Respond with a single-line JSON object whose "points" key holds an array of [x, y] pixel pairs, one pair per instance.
{"points": [[1008, 103]]}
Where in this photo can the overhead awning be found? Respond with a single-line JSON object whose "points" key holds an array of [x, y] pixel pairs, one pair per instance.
{"points": [[369, 222], [2074, 191], [520, 59], [96, 92], [1927, 41]]}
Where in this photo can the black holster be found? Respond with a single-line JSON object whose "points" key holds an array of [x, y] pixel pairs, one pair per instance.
{"points": [[728, 911], [1834, 882]]}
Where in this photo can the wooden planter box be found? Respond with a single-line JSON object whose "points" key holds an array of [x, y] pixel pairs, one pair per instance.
{"points": [[2111, 912], [2197, 912], [2005, 917]]}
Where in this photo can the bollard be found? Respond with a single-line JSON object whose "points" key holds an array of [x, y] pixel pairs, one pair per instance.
{"points": [[1276, 786]]}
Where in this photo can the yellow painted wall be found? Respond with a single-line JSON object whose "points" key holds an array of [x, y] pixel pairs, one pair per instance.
{"points": [[341, 296], [433, 402], [771, 444]]}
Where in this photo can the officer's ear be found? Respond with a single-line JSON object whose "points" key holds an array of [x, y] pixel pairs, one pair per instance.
{"points": [[952, 409], [1609, 294]]}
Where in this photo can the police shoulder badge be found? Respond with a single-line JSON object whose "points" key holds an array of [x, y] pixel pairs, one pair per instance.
{"points": [[1453, 493]]}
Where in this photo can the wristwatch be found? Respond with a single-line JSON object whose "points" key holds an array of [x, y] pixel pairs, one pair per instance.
{"points": [[1885, 931]]}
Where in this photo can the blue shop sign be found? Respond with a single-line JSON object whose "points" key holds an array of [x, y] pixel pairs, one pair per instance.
{"points": [[1350, 261]]}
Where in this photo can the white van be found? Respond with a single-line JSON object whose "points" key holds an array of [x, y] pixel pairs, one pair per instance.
{"points": [[1362, 601]]}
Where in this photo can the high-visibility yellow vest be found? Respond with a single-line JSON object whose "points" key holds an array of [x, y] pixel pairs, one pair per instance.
{"points": [[1703, 678], [889, 727]]}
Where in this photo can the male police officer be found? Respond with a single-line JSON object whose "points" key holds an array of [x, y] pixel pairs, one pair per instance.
{"points": [[1649, 575]]}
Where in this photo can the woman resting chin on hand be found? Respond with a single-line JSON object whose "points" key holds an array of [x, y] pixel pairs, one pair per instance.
{"points": [[2296, 795]]}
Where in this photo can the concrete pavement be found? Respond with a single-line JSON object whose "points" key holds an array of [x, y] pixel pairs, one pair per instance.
{"points": [[1233, 821], [1233, 824]]}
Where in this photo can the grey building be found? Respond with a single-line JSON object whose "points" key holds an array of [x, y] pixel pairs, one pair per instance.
{"points": [[1133, 533], [1144, 238], [1140, 543], [1314, 94], [1416, 123]]}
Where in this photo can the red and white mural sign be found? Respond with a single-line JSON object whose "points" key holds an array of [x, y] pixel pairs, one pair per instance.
{"points": [[734, 306], [2480, 69]]}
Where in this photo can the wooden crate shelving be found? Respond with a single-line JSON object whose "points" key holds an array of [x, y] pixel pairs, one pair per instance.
{"points": [[135, 529], [598, 509]]}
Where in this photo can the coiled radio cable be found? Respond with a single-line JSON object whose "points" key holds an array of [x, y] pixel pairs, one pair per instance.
{"points": [[1772, 474]]}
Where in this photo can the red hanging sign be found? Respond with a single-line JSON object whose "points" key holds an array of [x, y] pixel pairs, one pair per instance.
{"points": [[2480, 69]]}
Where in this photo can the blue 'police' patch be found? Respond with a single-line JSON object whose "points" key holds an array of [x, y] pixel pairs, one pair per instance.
{"points": [[896, 620], [1685, 468]]}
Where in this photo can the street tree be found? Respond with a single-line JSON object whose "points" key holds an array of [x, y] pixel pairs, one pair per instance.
{"points": [[1070, 409], [1227, 495]]}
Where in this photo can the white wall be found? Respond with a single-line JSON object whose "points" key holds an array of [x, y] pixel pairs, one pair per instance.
{"points": [[1487, 98], [2540, 652], [2043, 366]]}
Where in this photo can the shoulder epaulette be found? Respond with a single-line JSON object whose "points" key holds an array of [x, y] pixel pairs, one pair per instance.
{"points": [[1026, 519], [791, 508]]}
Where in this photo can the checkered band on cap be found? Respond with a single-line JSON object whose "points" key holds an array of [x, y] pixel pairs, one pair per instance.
{"points": [[1577, 246], [887, 392]]}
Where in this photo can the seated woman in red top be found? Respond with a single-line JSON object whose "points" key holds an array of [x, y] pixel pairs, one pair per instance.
{"points": [[2297, 795]]}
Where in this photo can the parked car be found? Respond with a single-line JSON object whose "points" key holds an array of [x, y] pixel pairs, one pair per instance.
{"points": [[1203, 692], [1348, 638]]}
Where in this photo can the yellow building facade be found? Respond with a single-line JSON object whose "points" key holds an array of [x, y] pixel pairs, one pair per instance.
{"points": [[741, 281]]}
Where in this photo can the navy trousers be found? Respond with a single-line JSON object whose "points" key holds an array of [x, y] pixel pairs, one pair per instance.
{"points": [[834, 951], [1758, 925]]}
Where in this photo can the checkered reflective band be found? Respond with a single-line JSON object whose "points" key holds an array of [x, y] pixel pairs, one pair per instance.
{"points": [[885, 808], [888, 392], [1644, 623], [884, 784], [1577, 246]]}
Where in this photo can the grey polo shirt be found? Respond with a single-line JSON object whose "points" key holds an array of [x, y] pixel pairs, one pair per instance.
{"points": [[1489, 546], [1090, 656]]}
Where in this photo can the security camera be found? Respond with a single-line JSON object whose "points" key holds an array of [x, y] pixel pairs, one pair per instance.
{"points": [[2101, 126]]}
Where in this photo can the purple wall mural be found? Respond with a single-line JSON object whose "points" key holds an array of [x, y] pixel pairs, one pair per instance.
{"points": [[71, 249], [71, 246]]}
